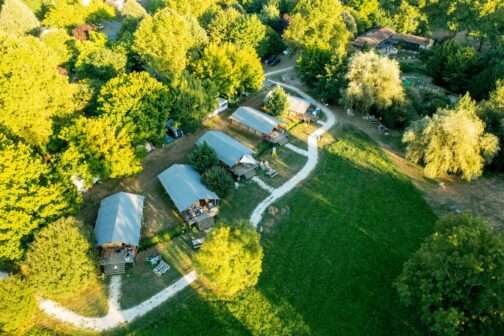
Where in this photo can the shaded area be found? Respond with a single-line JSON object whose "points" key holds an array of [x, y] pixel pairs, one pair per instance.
{"points": [[348, 232], [330, 260]]}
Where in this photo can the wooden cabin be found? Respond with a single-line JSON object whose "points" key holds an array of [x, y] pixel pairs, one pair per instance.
{"points": [[232, 153], [117, 230], [260, 123], [194, 201]]}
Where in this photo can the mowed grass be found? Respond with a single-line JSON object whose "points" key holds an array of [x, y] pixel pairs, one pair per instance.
{"points": [[330, 260]]}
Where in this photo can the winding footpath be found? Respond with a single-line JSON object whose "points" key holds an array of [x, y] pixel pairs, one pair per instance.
{"points": [[117, 317]]}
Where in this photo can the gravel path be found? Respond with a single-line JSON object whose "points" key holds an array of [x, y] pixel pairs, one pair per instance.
{"points": [[115, 316], [297, 149], [310, 165], [263, 184]]}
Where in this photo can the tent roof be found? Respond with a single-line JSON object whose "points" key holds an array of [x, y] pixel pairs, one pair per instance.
{"points": [[297, 105], [229, 150], [119, 219], [255, 119], [183, 185]]}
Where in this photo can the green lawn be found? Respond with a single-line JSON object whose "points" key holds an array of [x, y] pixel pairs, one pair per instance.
{"points": [[330, 260]]}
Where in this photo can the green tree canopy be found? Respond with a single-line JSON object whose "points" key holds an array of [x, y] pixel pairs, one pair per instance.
{"points": [[99, 62], [276, 101], [60, 261], [318, 24], [230, 25], [452, 141], [133, 9], [219, 180], [32, 92], [233, 70], [492, 113], [16, 18], [195, 8], [138, 102], [454, 65], [17, 306], [98, 147], [192, 100], [203, 157], [70, 13], [60, 43], [31, 195], [374, 82], [230, 260], [164, 40], [456, 279], [483, 19]]}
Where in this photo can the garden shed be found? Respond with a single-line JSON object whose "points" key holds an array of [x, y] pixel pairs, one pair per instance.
{"points": [[194, 201], [298, 107], [260, 123], [232, 153], [117, 230]]}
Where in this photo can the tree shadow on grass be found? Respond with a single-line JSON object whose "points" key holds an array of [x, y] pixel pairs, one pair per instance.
{"points": [[334, 257]]}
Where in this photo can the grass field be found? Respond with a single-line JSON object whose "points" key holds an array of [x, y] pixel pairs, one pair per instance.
{"points": [[330, 260]]}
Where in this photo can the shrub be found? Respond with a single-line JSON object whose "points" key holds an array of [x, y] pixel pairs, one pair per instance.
{"points": [[17, 305], [203, 157], [60, 260], [452, 141], [276, 102], [219, 180], [456, 278], [230, 260]]}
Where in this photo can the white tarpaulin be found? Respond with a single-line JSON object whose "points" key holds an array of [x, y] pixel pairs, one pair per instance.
{"points": [[248, 159]]}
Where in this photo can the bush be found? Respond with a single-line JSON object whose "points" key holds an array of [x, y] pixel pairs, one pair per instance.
{"points": [[219, 180], [60, 261], [456, 278], [453, 141], [276, 102], [17, 305], [230, 260], [203, 157]]}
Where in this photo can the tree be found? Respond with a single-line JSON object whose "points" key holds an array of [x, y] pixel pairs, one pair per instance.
{"points": [[31, 195], [192, 100], [483, 19], [17, 305], [230, 260], [138, 102], [276, 102], [230, 25], [203, 157], [28, 74], [455, 278], [70, 14], [97, 147], [452, 141], [60, 261], [133, 9], [318, 24], [164, 40], [492, 113], [374, 83], [60, 43], [408, 18], [232, 69], [219, 180], [16, 18], [454, 65], [195, 8], [99, 62]]}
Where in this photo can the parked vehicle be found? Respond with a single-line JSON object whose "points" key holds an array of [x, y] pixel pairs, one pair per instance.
{"points": [[273, 60]]}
